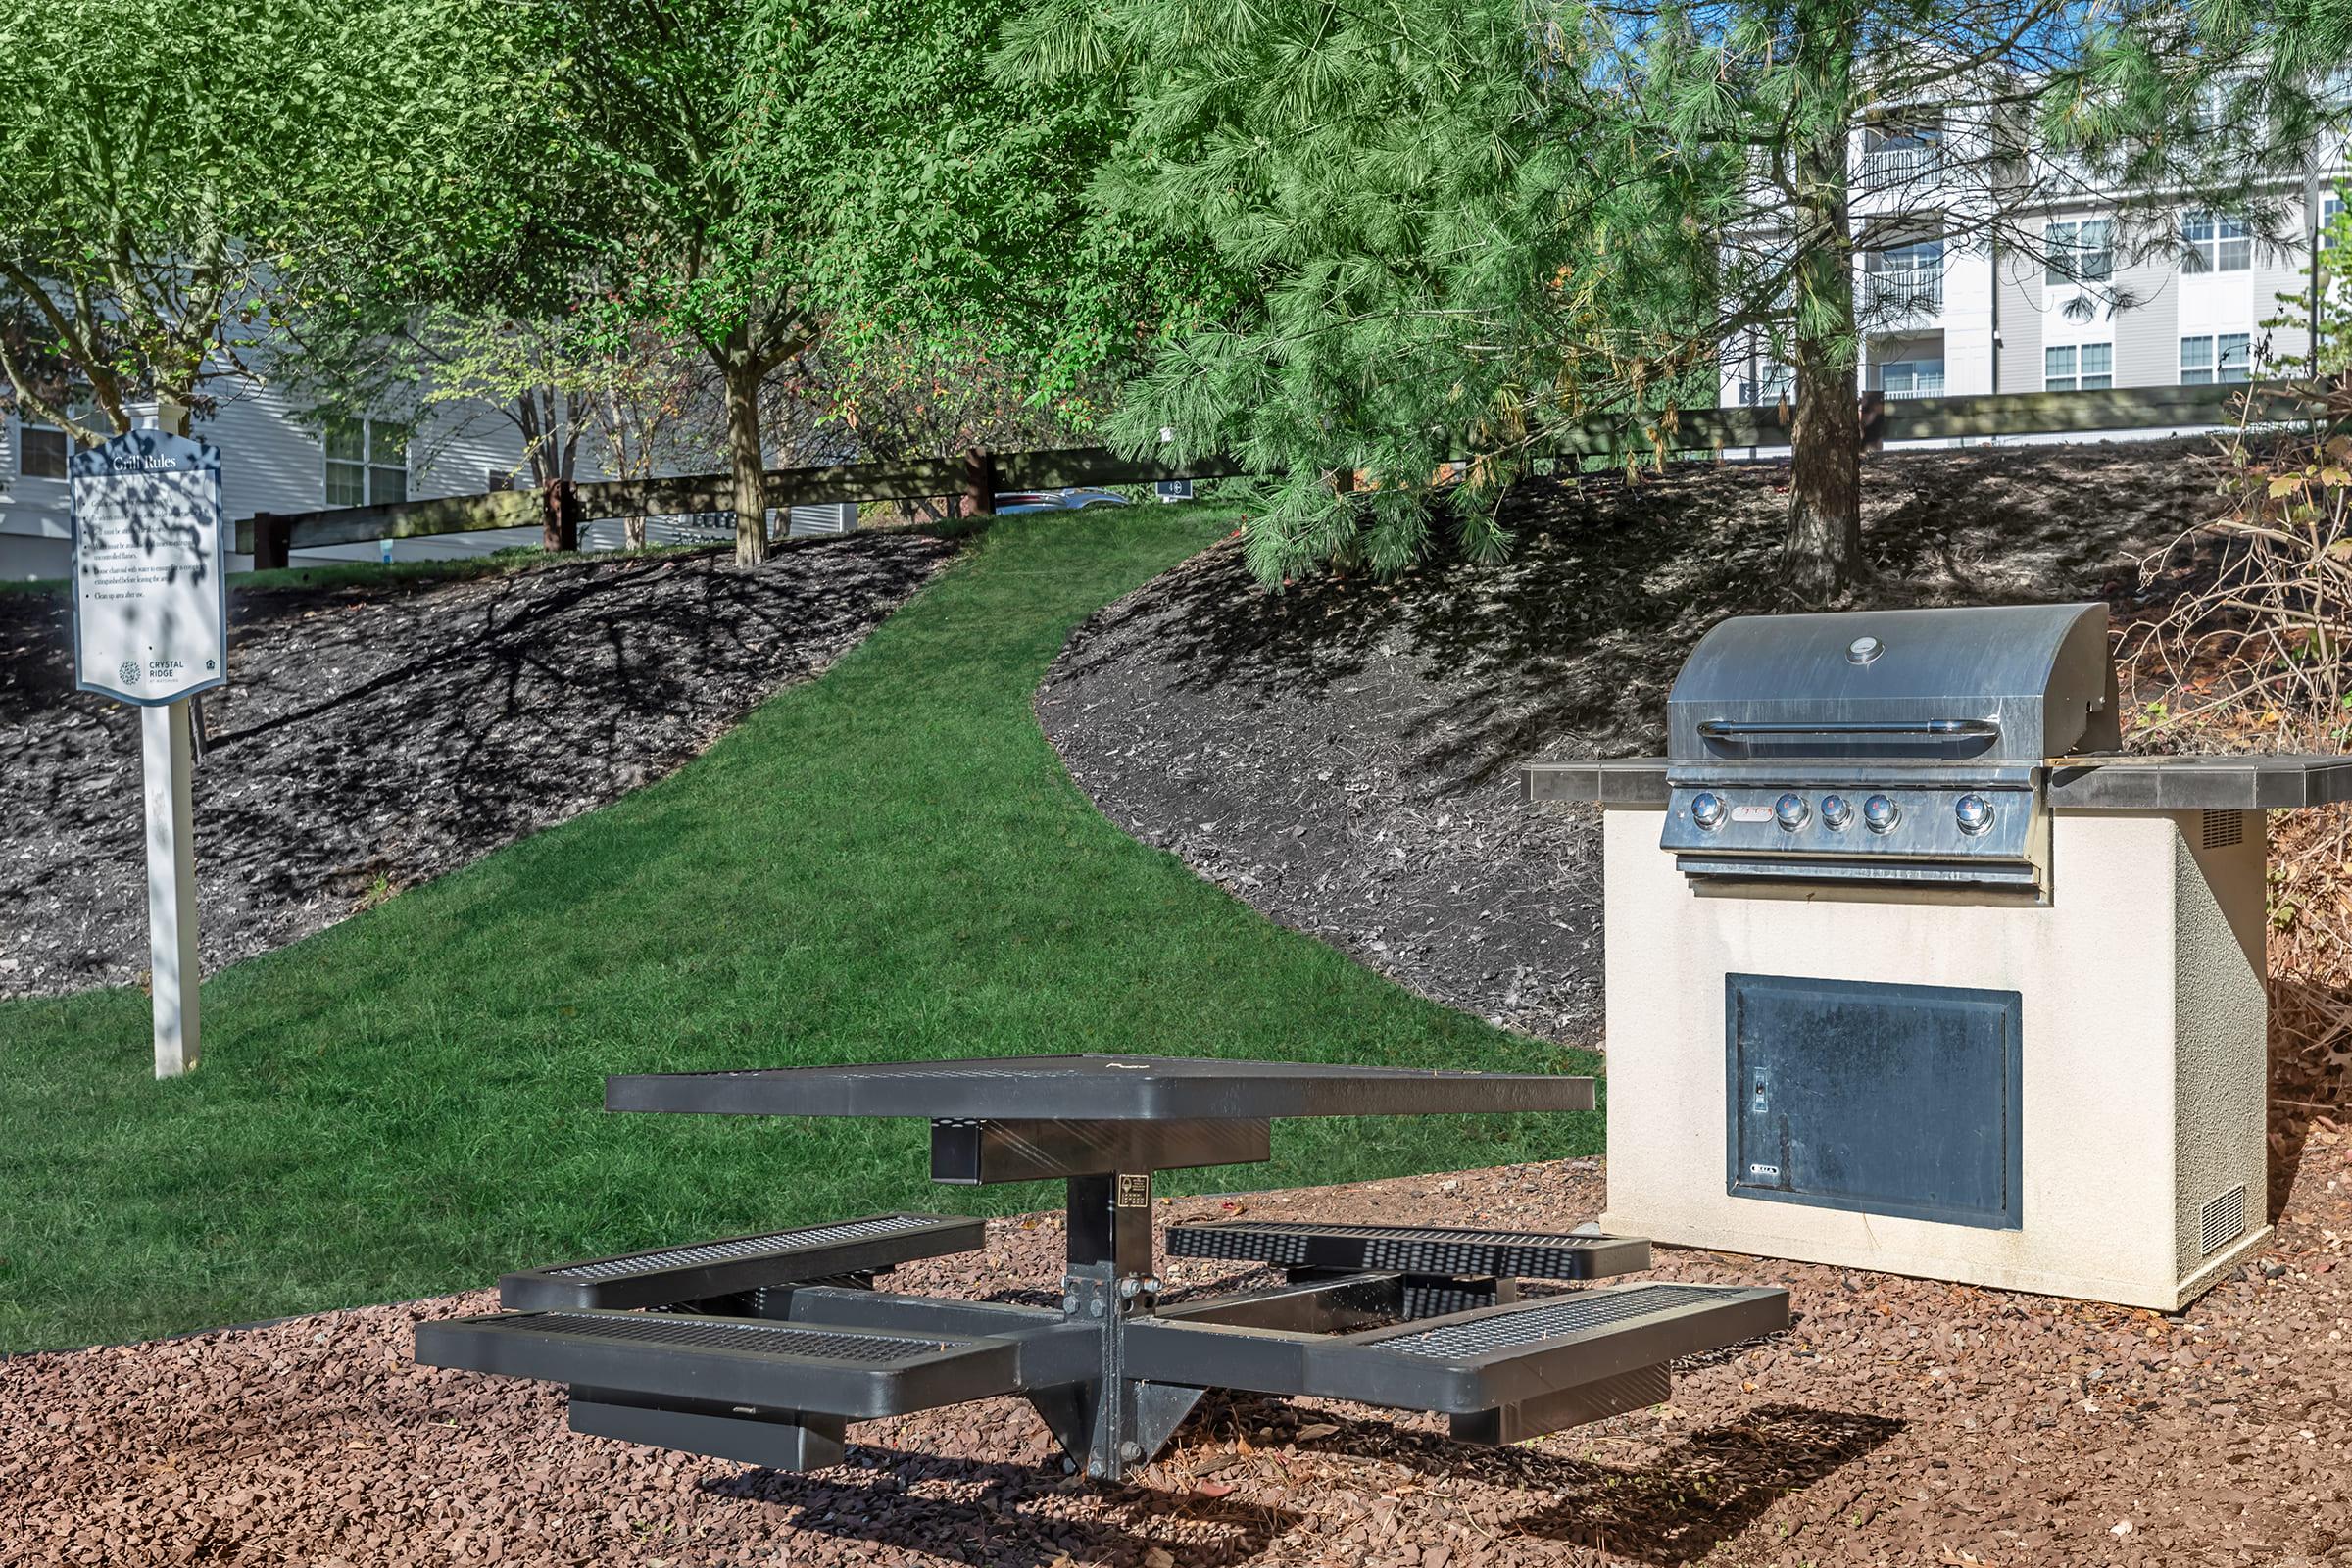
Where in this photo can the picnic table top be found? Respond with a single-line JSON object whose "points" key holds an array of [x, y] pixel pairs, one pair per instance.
{"points": [[1096, 1087]]}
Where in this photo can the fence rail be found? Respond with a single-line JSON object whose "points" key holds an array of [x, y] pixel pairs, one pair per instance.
{"points": [[1963, 417], [710, 492], [1687, 430]]}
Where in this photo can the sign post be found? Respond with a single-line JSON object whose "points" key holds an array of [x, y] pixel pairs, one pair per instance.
{"points": [[151, 628]]}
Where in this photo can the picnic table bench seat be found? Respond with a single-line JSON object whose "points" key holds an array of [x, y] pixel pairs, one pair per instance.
{"points": [[698, 1271], [1420, 1250]]}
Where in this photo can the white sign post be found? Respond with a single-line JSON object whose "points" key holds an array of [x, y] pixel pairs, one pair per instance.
{"points": [[151, 628]]}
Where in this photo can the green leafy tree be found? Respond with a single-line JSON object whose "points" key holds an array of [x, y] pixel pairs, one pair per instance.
{"points": [[173, 179], [1466, 225]]}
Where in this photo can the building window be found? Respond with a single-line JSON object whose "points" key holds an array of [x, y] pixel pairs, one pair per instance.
{"points": [[2079, 251], [2211, 360], [1911, 378], [2078, 368], [40, 452], [2213, 243], [1772, 382], [2330, 210], [366, 462]]}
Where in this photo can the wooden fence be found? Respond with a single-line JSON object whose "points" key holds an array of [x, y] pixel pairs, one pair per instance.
{"points": [[981, 475]]}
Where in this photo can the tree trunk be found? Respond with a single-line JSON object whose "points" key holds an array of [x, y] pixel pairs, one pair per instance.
{"points": [[1822, 552], [560, 512], [745, 462]]}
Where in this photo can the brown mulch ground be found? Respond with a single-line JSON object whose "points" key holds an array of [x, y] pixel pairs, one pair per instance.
{"points": [[1345, 756], [1898, 1422], [375, 737]]}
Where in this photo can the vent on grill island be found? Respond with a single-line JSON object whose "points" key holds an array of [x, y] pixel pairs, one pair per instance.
{"points": [[2222, 830], [2225, 1219]]}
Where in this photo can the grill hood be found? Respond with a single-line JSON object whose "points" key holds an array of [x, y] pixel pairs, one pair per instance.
{"points": [[2000, 684]]}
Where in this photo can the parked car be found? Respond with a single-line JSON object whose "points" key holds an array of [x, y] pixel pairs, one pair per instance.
{"points": [[1073, 500]]}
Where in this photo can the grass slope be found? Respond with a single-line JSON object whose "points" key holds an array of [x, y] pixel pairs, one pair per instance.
{"points": [[889, 863]]}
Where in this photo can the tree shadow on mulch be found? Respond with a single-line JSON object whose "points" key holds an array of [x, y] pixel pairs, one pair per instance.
{"points": [[1705, 1489], [378, 735], [879, 1506], [1568, 648]]}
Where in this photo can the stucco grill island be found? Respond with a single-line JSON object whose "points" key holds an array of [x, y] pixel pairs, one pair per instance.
{"points": [[1911, 968]]}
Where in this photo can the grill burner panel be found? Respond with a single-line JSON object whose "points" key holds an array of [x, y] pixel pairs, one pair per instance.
{"points": [[1867, 746], [1924, 844]]}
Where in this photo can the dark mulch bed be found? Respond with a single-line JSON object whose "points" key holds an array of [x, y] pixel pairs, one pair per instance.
{"points": [[1344, 756], [1898, 1422], [375, 737]]}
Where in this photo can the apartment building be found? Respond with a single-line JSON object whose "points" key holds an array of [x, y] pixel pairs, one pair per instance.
{"points": [[1965, 285], [274, 460]]}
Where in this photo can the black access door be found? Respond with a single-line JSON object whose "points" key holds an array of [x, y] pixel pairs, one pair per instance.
{"points": [[1893, 1100]]}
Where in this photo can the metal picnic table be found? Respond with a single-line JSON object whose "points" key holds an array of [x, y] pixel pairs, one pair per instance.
{"points": [[762, 1348]]}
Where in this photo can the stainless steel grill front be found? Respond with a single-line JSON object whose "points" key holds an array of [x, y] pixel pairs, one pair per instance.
{"points": [[1905, 745]]}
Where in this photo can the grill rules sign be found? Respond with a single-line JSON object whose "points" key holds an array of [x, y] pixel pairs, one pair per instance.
{"points": [[150, 596]]}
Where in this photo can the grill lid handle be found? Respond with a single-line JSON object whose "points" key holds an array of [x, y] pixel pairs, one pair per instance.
{"points": [[1725, 729], [1947, 737]]}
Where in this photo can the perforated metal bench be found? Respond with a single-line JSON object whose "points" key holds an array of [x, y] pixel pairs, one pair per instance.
{"points": [[766, 1392], [1419, 1249], [1500, 1373], [702, 1271], [1441, 1269]]}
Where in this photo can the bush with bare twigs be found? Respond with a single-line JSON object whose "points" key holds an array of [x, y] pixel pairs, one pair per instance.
{"points": [[2244, 648]]}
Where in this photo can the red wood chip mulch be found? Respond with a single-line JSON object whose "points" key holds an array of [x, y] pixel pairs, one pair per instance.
{"points": [[1899, 1421]]}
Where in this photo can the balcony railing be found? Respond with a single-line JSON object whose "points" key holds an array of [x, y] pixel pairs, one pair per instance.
{"points": [[1903, 291], [1924, 386], [1890, 167]]}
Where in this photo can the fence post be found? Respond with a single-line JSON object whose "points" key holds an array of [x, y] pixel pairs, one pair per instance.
{"points": [[979, 483], [560, 515], [271, 535]]}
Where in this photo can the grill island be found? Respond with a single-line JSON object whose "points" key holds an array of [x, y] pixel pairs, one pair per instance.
{"points": [[1910, 970], [762, 1348]]}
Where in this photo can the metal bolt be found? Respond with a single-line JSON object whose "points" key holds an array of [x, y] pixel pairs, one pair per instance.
{"points": [[1152, 1286], [1094, 1464], [1094, 1309], [1130, 1452], [1069, 1304], [1069, 1466], [1128, 1286]]}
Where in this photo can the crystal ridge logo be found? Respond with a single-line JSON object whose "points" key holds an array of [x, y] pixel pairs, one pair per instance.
{"points": [[129, 671]]}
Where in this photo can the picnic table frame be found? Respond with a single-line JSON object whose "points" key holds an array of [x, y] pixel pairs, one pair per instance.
{"points": [[794, 1339]]}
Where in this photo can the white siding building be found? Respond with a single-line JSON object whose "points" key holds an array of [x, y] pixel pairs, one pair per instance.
{"points": [[272, 462], [1949, 310]]}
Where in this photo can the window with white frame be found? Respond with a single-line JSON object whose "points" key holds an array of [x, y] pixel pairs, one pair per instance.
{"points": [[366, 462], [1911, 378], [2080, 250], [2330, 209], [2214, 243], [2078, 368], [2227, 356], [43, 448], [1771, 382]]}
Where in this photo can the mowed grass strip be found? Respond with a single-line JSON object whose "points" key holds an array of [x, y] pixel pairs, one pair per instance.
{"points": [[889, 863]]}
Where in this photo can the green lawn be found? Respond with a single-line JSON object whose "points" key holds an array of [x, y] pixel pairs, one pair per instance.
{"points": [[889, 863]]}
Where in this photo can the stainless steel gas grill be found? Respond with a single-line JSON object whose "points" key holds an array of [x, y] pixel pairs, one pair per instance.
{"points": [[1909, 969], [1900, 745]]}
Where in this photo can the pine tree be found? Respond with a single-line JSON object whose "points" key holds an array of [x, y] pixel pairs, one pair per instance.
{"points": [[1466, 226]]}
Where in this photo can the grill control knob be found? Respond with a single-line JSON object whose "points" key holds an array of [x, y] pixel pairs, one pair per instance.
{"points": [[1793, 812], [1836, 812], [1706, 810], [1975, 813], [1880, 814]]}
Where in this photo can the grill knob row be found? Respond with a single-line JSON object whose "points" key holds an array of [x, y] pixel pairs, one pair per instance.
{"points": [[1879, 813]]}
